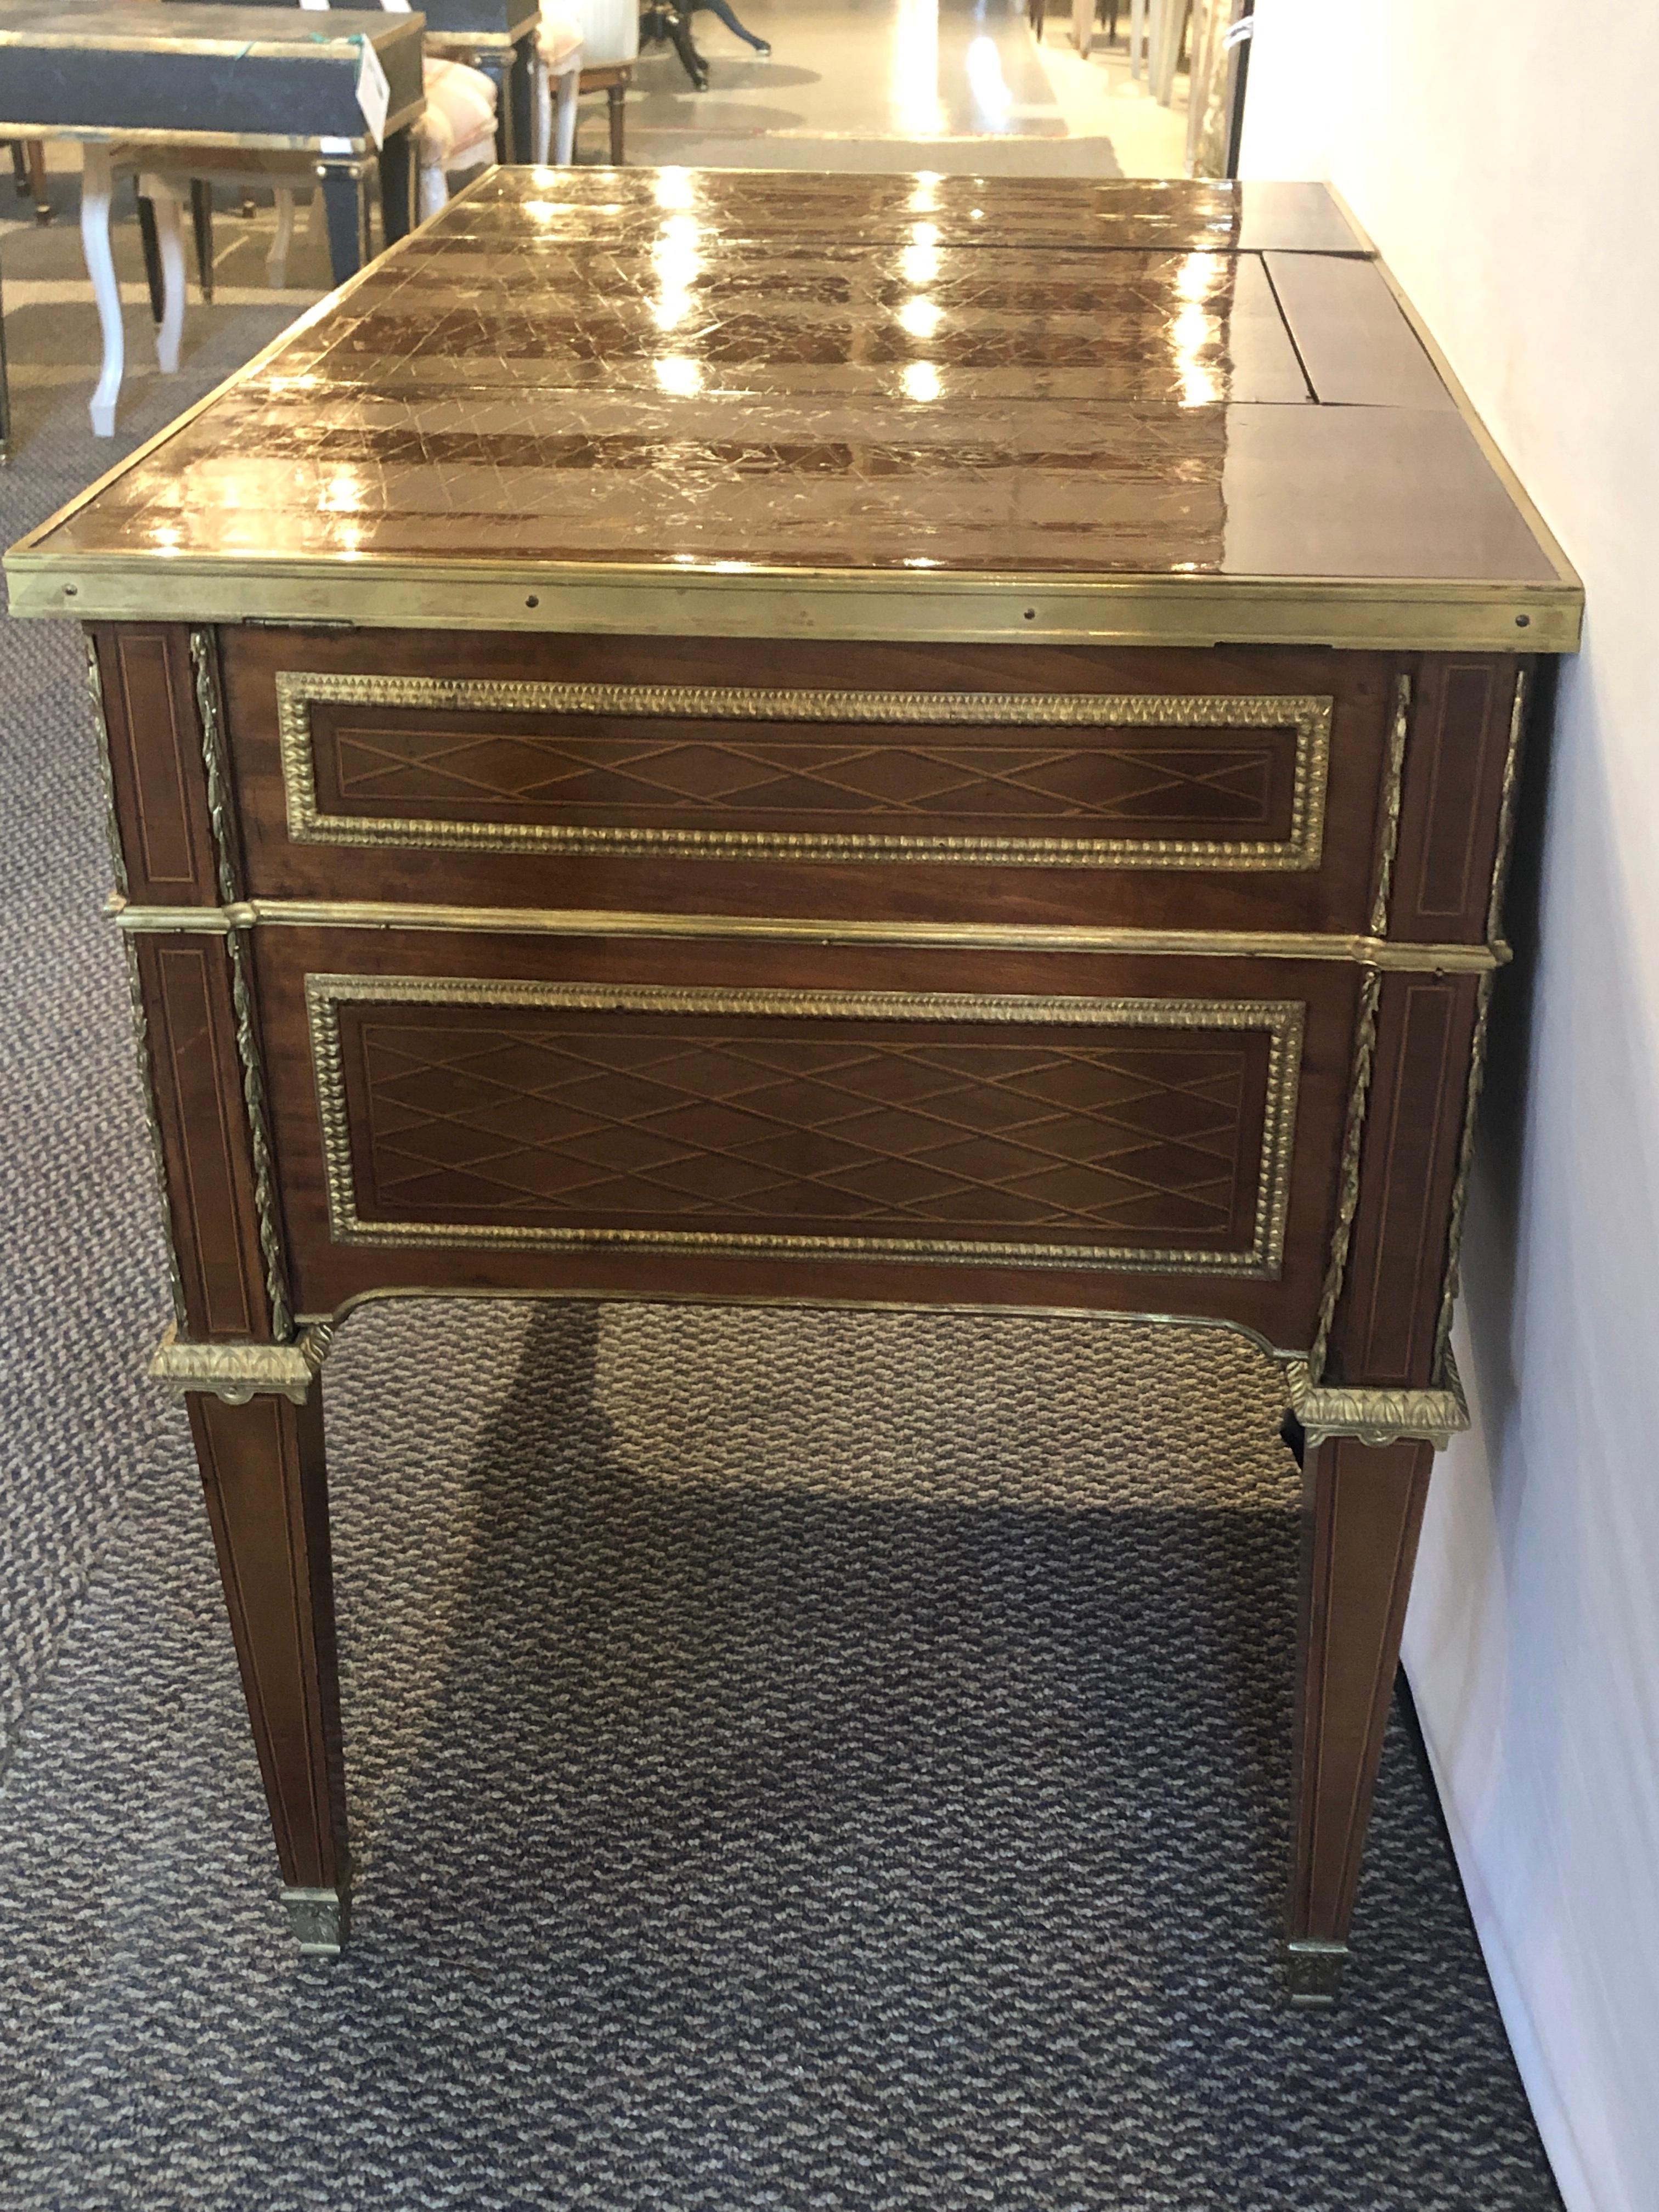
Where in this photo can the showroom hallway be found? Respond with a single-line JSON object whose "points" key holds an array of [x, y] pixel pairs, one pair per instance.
{"points": [[956, 85]]}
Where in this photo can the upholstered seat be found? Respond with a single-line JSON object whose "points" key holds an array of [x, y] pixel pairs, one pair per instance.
{"points": [[456, 132]]}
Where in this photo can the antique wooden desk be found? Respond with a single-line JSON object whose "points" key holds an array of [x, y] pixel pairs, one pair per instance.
{"points": [[821, 738]]}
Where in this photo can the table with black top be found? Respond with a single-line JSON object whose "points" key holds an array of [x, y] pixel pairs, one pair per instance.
{"points": [[148, 74], [850, 739]]}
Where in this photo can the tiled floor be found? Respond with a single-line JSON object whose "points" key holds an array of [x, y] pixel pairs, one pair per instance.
{"points": [[872, 83]]}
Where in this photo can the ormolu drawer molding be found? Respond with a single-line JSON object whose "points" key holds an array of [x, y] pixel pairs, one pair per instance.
{"points": [[428, 1120], [1298, 849]]}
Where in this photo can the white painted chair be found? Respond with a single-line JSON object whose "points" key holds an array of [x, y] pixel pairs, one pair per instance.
{"points": [[100, 165], [608, 35], [559, 50], [456, 133]]}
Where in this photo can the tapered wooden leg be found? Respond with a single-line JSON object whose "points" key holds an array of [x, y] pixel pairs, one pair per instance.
{"points": [[200, 217], [152, 252], [396, 187], [346, 204], [1364, 1508], [521, 98], [262, 1469]]}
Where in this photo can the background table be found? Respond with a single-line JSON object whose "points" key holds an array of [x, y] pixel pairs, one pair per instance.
{"points": [[866, 739], [139, 74]]}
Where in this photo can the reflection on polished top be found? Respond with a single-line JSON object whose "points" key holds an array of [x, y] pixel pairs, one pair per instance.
{"points": [[576, 374]]}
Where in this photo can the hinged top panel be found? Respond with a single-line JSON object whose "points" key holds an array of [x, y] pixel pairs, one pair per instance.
{"points": [[783, 403]]}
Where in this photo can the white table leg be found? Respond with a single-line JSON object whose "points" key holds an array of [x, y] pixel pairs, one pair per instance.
{"points": [[163, 195], [564, 146], [1083, 26], [96, 186], [276, 259]]}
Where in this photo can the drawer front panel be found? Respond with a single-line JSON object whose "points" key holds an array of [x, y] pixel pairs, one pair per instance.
{"points": [[1238, 789], [1075, 780], [1134, 1132]]}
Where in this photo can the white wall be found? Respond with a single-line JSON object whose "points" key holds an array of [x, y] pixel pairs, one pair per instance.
{"points": [[1503, 154]]}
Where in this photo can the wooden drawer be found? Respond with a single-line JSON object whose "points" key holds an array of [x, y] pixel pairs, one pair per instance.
{"points": [[1223, 789], [1148, 1134]]}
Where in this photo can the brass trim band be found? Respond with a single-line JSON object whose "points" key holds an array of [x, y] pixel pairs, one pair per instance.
{"points": [[1283, 1020], [387, 591], [1309, 717], [1374, 1415], [811, 929], [240, 1370]]}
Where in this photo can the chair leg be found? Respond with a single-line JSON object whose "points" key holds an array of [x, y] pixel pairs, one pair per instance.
{"points": [[34, 155], [433, 189], [200, 217], [617, 95], [544, 100], [276, 259], [398, 159], [679, 34], [97, 183], [170, 240], [147, 240], [564, 137]]}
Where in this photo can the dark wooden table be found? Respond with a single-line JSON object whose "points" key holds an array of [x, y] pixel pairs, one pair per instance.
{"points": [[498, 37], [849, 739], [145, 75]]}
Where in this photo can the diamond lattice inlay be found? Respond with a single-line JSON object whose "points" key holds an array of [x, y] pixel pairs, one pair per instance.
{"points": [[899, 780], [688, 1116]]}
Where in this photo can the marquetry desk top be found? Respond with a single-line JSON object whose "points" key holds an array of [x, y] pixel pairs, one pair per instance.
{"points": [[966, 407]]}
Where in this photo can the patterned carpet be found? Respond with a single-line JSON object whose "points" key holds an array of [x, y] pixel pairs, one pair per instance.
{"points": [[816, 1762]]}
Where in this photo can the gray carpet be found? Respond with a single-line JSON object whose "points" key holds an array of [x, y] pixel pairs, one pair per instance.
{"points": [[799, 1760]]}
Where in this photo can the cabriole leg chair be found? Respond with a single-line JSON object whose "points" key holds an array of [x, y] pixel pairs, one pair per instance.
{"points": [[610, 34], [558, 62]]}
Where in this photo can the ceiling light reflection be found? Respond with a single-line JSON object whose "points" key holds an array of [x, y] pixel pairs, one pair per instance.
{"points": [[921, 381], [679, 378]]}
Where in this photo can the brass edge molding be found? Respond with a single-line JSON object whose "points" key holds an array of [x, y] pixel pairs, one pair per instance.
{"points": [[112, 819], [1283, 1019], [397, 916], [242, 1370], [394, 592], [1393, 789], [1370, 1415], [1300, 849], [204, 662], [1347, 1185], [1500, 865], [1459, 1198]]}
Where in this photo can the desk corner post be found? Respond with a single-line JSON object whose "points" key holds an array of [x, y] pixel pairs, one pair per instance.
{"points": [[1363, 1509], [250, 1379], [259, 1439]]}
